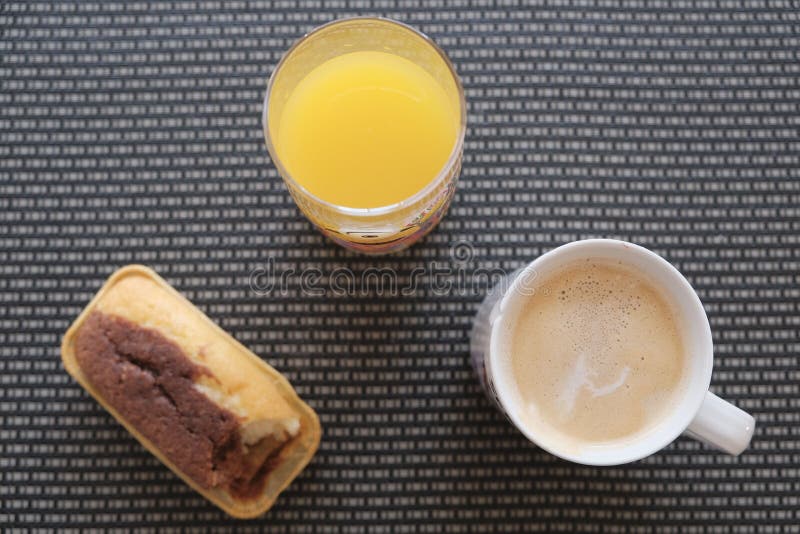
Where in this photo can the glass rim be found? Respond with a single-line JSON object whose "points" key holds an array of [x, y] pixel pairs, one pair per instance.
{"points": [[443, 173]]}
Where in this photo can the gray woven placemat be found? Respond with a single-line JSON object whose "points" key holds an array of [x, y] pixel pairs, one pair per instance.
{"points": [[130, 132]]}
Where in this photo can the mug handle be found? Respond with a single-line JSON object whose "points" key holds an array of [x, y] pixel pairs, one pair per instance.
{"points": [[722, 425]]}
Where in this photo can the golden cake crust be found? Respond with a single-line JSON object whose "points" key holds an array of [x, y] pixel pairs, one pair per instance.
{"points": [[209, 372]]}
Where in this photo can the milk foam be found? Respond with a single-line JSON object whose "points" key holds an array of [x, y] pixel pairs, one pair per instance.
{"points": [[596, 353]]}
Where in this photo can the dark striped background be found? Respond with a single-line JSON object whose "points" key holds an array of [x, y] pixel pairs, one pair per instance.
{"points": [[130, 132]]}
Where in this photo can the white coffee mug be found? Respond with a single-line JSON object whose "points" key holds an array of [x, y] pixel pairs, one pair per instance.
{"points": [[697, 413]]}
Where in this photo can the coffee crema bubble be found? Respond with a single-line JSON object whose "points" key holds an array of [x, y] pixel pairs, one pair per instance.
{"points": [[596, 353]]}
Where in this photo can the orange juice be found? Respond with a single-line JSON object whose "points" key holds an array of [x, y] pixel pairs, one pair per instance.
{"points": [[366, 129]]}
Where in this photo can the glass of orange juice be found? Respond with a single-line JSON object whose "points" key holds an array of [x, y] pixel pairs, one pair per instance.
{"points": [[364, 119]]}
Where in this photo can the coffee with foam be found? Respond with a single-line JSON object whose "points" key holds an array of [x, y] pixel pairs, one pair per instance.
{"points": [[596, 354]]}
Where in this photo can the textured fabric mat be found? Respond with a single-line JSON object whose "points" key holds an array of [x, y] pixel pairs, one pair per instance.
{"points": [[130, 132]]}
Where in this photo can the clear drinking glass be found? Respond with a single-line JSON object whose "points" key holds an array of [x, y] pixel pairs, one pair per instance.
{"points": [[387, 228]]}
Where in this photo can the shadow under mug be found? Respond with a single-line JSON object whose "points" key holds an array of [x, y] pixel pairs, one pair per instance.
{"points": [[697, 413]]}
